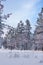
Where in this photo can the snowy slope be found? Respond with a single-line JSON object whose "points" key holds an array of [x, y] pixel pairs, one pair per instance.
{"points": [[8, 57]]}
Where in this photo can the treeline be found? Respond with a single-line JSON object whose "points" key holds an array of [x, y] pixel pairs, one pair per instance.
{"points": [[21, 37]]}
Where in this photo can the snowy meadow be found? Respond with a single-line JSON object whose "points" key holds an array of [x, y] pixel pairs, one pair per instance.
{"points": [[17, 57]]}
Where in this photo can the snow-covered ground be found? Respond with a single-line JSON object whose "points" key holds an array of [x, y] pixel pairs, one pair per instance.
{"points": [[15, 57]]}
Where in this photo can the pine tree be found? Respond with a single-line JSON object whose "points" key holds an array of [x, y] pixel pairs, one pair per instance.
{"points": [[28, 27], [20, 27], [9, 39], [27, 34], [1, 25], [38, 34], [2, 19], [19, 35], [23, 36]]}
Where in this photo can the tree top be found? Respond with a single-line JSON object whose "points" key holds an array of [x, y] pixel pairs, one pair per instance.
{"points": [[42, 10]]}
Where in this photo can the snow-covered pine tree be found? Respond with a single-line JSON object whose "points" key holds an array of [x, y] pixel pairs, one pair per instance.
{"points": [[19, 35], [2, 19], [20, 27], [38, 34], [9, 41], [23, 35], [27, 35], [1, 25]]}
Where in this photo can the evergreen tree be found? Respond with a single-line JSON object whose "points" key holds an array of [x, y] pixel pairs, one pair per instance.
{"points": [[9, 39], [20, 27], [1, 25], [38, 34], [28, 27], [19, 35], [23, 35], [2, 19], [27, 34]]}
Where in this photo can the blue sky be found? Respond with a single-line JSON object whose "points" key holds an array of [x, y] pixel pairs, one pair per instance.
{"points": [[22, 10]]}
